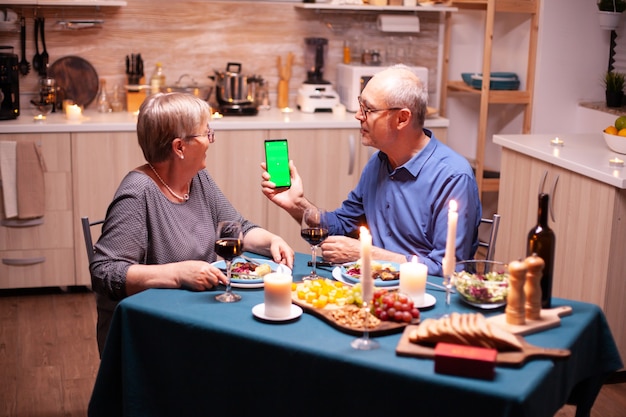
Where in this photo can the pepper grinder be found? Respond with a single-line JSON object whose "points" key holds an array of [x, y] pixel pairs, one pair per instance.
{"points": [[532, 286], [515, 299]]}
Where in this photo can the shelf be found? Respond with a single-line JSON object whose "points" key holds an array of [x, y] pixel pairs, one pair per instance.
{"points": [[367, 8], [63, 3], [495, 96], [505, 6]]}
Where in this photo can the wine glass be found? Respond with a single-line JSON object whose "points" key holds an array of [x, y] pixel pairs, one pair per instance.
{"points": [[314, 230], [228, 245]]}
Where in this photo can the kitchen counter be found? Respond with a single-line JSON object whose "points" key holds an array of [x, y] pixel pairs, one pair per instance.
{"points": [[585, 154], [126, 122]]}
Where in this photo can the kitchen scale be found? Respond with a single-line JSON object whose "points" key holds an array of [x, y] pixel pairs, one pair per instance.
{"points": [[316, 94]]}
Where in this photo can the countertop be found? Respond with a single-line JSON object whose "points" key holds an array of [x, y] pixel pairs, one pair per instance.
{"points": [[93, 121], [583, 153]]}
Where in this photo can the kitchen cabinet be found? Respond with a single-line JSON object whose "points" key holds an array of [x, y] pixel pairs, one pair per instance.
{"points": [[485, 95], [589, 213], [41, 255], [329, 162], [60, 3], [100, 161]]}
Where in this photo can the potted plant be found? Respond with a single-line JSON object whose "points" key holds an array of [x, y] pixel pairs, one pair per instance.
{"points": [[610, 13], [614, 88]]}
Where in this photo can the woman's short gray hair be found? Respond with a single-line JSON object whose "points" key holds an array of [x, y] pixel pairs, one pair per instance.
{"points": [[164, 117]]}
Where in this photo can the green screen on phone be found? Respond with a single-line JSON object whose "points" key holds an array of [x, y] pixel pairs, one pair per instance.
{"points": [[277, 159]]}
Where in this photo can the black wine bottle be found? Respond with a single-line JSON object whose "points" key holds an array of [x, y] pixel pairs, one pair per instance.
{"points": [[541, 240]]}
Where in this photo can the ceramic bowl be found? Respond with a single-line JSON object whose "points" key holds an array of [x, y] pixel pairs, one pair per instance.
{"points": [[483, 284], [615, 143]]}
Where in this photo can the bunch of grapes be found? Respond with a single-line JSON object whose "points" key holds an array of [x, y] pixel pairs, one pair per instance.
{"points": [[393, 306]]}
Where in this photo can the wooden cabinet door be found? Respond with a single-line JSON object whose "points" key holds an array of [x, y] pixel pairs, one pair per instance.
{"points": [[100, 161], [42, 254], [328, 161], [234, 161]]}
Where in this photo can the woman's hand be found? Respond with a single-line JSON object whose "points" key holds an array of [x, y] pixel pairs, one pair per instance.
{"points": [[281, 252], [199, 275]]}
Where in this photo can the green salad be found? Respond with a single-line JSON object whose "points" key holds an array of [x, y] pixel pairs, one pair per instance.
{"points": [[489, 288]]}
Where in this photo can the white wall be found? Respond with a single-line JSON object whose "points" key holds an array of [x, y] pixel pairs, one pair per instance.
{"points": [[572, 56]]}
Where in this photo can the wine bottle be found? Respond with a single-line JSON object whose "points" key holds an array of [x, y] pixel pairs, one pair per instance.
{"points": [[541, 241]]}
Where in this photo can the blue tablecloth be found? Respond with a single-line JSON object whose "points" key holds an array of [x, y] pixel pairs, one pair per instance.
{"points": [[182, 353]]}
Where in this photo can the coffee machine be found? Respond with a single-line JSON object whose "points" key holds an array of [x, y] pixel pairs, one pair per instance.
{"points": [[9, 84], [316, 94]]}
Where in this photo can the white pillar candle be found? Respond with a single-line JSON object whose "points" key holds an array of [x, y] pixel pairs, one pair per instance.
{"points": [[73, 112], [367, 282], [449, 259], [413, 280], [277, 295]]}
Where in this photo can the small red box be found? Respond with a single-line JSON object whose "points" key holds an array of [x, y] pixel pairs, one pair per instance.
{"points": [[469, 361]]}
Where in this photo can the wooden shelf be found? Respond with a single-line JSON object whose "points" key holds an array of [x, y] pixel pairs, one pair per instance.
{"points": [[485, 94], [368, 8], [64, 3]]}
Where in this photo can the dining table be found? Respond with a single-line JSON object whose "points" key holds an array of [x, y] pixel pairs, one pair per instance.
{"points": [[173, 352]]}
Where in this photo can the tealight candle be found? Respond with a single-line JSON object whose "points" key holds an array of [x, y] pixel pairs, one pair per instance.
{"points": [[413, 280], [277, 295], [40, 118], [616, 162], [557, 142], [73, 112], [450, 257]]}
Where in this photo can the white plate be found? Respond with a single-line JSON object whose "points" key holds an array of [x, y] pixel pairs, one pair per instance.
{"points": [[259, 311], [429, 301], [339, 276], [250, 282]]}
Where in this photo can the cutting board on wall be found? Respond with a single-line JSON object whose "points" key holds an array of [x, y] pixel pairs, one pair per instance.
{"points": [[77, 79]]}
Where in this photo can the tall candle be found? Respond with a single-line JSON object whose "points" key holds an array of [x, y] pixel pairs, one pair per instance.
{"points": [[413, 280], [449, 259], [277, 295], [367, 283]]}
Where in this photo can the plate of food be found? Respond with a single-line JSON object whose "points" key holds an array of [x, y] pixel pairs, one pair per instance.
{"points": [[248, 273], [385, 274]]}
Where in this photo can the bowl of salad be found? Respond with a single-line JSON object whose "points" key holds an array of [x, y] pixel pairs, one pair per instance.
{"points": [[482, 284]]}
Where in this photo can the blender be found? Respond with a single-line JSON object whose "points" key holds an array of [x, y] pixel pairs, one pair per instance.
{"points": [[316, 94]]}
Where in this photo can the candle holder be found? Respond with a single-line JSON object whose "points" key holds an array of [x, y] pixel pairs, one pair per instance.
{"points": [[364, 342], [616, 162], [557, 142]]}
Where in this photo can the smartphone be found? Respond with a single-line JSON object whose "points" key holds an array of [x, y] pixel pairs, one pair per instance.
{"points": [[277, 160]]}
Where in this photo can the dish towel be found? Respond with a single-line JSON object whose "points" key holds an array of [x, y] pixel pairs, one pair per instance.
{"points": [[8, 170], [31, 202]]}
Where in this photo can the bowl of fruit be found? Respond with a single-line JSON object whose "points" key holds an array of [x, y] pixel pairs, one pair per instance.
{"points": [[615, 136], [482, 284]]}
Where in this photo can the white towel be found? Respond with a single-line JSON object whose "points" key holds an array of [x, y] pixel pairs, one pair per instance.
{"points": [[8, 171]]}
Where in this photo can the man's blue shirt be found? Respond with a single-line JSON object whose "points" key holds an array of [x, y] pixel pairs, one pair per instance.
{"points": [[406, 209]]}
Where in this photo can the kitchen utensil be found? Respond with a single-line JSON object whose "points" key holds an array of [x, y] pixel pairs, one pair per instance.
{"points": [[233, 91], [37, 56], [77, 78], [24, 64], [9, 84], [43, 68]]}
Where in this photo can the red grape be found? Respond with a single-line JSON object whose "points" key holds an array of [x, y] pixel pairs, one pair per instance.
{"points": [[393, 306]]}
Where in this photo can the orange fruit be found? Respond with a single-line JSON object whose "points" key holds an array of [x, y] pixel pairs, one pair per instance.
{"points": [[611, 130], [622, 132]]}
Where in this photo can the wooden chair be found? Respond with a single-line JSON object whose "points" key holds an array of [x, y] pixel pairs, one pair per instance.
{"points": [[87, 225], [489, 245]]}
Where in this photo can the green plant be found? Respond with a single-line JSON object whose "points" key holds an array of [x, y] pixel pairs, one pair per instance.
{"points": [[614, 81], [612, 5]]}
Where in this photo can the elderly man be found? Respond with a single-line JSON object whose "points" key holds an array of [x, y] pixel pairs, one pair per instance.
{"points": [[404, 191]]}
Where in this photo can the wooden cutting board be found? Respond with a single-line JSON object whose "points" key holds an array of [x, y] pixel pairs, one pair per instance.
{"points": [[384, 328], [77, 78], [550, 318], [514, 359]]}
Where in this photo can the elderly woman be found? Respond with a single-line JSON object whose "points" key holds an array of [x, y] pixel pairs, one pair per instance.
{"points": [[160, 228]]}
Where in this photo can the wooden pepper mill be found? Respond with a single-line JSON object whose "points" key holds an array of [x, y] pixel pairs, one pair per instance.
{"points": [[532, 286], [515, 299]]}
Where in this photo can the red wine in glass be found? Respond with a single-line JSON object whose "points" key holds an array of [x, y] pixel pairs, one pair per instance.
{"points": [[228, 245], [314, 230], [314, 235]]}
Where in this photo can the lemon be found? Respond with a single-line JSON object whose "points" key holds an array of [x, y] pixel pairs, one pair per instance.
{"points": [[622, 132], [611, 130], [620, 123]]}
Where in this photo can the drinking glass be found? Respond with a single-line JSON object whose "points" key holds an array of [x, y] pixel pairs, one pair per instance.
{"points": [[314, 230], [228, 245]]}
